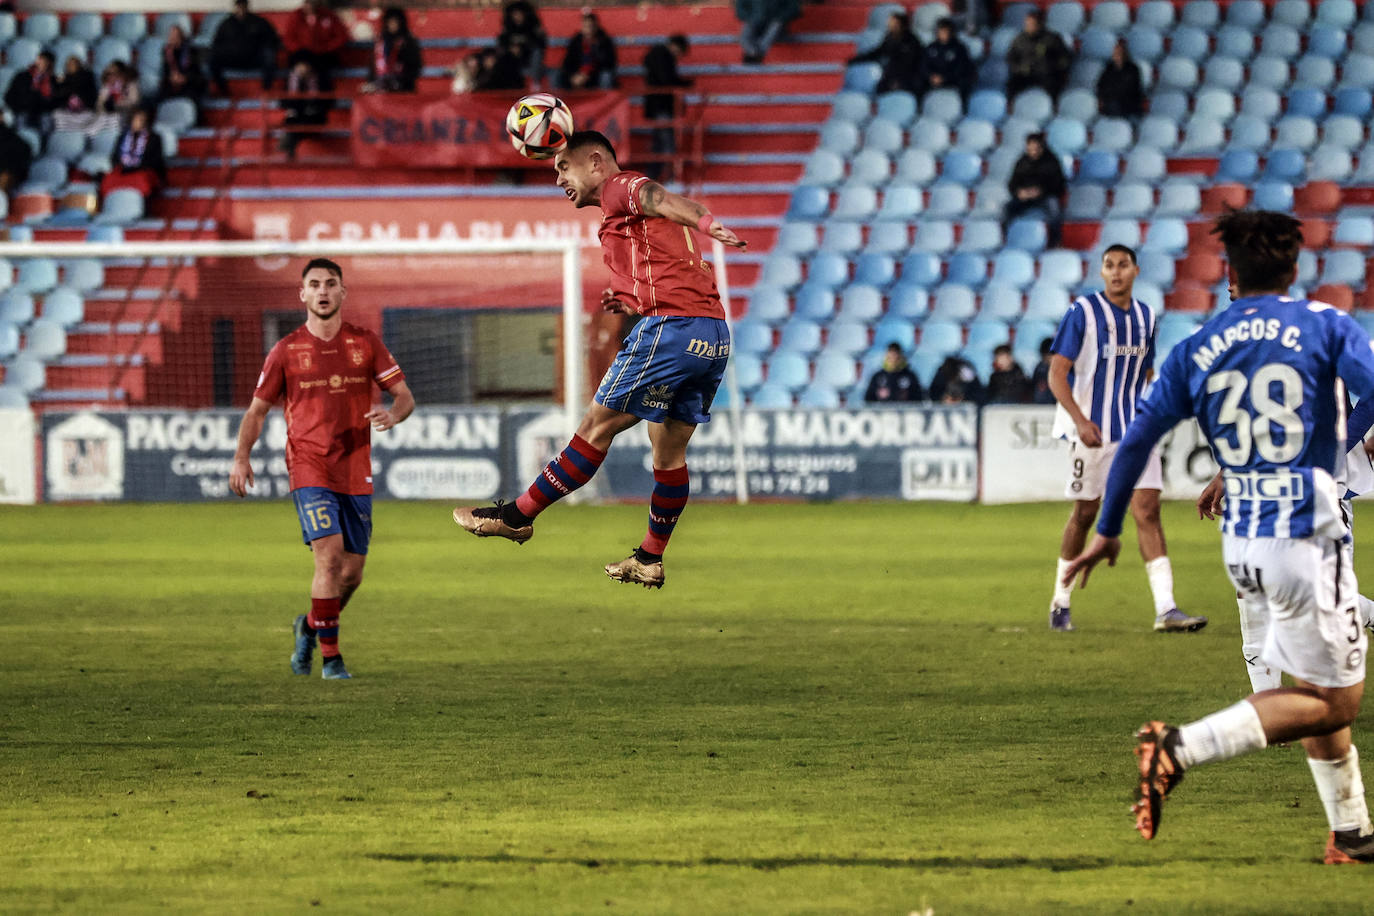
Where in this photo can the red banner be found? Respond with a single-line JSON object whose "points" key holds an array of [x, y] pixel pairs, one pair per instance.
{"points": [[465, 131]]}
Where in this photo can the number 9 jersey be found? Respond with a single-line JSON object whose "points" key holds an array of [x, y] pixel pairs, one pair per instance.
{"points": [[1266, 380]]}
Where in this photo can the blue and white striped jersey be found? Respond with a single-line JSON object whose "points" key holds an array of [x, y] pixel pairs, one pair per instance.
{"points": [[1266, 380], [1113, 351]]}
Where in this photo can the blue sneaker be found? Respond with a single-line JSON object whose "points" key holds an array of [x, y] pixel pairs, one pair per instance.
{"points": [[334, 670], [1176, 621], [305, 647], [1060, 620]]}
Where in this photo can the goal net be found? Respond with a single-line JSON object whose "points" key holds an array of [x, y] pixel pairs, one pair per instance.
{"points": [[165, 340]]}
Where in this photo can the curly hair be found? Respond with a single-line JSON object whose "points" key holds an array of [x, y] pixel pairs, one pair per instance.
{"points": [[1261, 245]]}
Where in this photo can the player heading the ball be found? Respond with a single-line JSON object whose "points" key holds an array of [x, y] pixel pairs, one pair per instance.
{"points": [[662, 374], [324, 371]]}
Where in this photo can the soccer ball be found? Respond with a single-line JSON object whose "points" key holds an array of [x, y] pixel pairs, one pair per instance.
{"points": [[539, 125]]}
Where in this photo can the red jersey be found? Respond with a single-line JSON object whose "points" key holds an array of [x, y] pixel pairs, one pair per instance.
{"points": [[656, 263], [328, 389]]}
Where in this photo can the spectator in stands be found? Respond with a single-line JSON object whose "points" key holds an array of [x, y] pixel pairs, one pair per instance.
{"points": [[957, 373], [522, 34], [1037, 57], [1037, 183], [902, 57], [76, 95], [894, 382], [119, 98], [32, 93], [1008, 383], [948, 64], [590, 60], [244, 41], [975, 14], [15, 158], [316, 35], [182, 74], [500, 70], [395, 55], [1040, 378], [466, 74], [138, 161], [1120, 92], [762, 22], [302, 81], [660, 71]]}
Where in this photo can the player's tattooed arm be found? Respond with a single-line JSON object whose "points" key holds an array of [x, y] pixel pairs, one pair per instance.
{"points": [[656, 200]]}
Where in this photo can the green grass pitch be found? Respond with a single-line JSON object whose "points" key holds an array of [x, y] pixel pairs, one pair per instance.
{"points": [[829, 709]]}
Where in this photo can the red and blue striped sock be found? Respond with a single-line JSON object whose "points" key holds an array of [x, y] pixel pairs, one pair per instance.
{"points": [[324, 619], [573, 467], [671, 489]]}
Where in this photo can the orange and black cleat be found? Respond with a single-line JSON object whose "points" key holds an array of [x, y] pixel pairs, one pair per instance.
{"points": [[1159, 773]]}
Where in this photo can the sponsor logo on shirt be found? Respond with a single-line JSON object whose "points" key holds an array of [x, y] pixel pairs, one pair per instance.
{"points": [[303, 361], [335, 381], [699, 347], [1283, 486], [658, 397], [1109, 351]]}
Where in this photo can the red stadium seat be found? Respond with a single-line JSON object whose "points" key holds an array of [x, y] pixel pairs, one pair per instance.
{"points": [[1202, 268], [1219, 196], [1316, 233], [1317, 198], [1189, 299]]}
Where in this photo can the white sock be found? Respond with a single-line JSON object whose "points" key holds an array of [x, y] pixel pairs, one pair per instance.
{"points": [[1252, 630], [1342, 791], [1229, 733], [1062, 592], [1366, 611], [1161, 574]]}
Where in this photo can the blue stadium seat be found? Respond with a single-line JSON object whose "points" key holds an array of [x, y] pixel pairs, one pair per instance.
{"points": [[800, 337], [861, 302], [1250, 132], [890, 238], [1202, 136], [1146, 164], [65, 48], [1078, 105], [82, 275], [797, 238], [842, 237], [943, 105], [1119, 232], [21, 53], [1292, 13], [1296, 132], [1327, 41], [751, 337], [779, 269], [129, 26], [1000, 302], [828, 269], [1214, 104], [1133, 200], [1066, 137], [854, 107], [897, 107], [894, 330], [87, 27], [1099, 166], [46, 175], [965, 268], [1281, 40], [824, 168], [1337, 13], [1033, 105], [1354, 229], [1353, 101], [1112, 134], [1145, 43], [881, 12], [923, 269], [808, 202], [930, 134], [1096, 43], [840, 137], [984, 335], [942, 337], [42, 28], [1248, 14], [901, 203], [908, 301], [1285, 164], [847, 337], [66, 145], [1028, 235], [1086, 202], [770, 396], [1362, 38], [875, 269], [947, 200], [1112, 15], [934, 235], [1190, 42], [1065, 17], [1172, 104], [25, 373], [9, 347], [815, 301], [1061, 267], [1238, 165], [1235, 43], [955, 303], [1343, 267], [1168, 234], [767, 305], [1179, 73], [1307, 267], [1159, 14], [883, 135], [1224, 73], [108, 50], [36, 275], [45, 340], [975, 136], [862, 77], [1178, 197], [1272, 72], [856, 202], [963, 166], [981, 236], [1261, 102], [1014, 268], [1046, 302], [819, 396], [988, 105], [1157, 267], [1319, 73], [870, 167], [16, 307], [1331, 163], [916, 166], [1358, 71]]}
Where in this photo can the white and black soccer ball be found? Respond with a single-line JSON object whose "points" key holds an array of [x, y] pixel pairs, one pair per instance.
{"points": [[539, 125]]}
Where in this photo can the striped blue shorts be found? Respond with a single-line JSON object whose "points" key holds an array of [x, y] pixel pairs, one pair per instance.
{"points": [[668, 367]]}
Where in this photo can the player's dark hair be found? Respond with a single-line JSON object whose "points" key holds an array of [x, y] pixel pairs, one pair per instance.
{"points": [[584, 138], [681, 41], [1124, 249], [325, 263], [1261, 245]]}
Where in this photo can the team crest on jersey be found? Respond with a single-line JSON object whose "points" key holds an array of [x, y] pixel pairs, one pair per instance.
{"points": [[303, 362], [356, 356]]}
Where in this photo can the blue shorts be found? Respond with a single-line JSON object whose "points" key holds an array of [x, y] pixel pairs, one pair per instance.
{"points": [[323, 512], [668, 367]]}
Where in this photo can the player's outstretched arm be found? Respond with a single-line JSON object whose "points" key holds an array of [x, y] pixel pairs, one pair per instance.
{"points": [[1212, 502], [241, 475], [656, 200], [1101, 548], [402, 403]]}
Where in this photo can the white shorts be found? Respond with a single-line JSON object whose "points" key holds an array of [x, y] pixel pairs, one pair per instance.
{"points": [[1302, 597], [1088, 469]]}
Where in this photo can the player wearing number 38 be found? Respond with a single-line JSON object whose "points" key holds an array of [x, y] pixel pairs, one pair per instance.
{"points": [[1266, 381]]}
